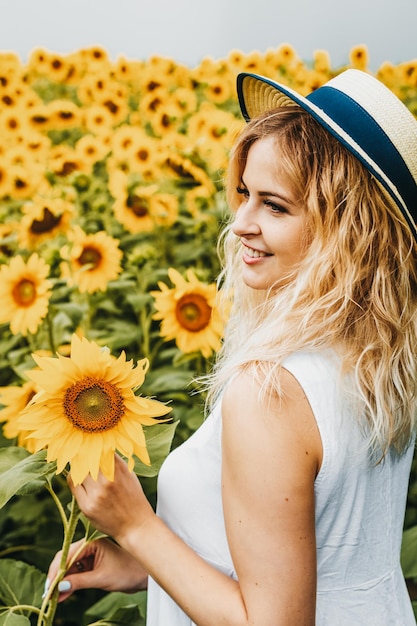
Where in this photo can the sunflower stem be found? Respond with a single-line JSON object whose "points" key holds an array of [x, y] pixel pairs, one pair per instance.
{"points": [[58, 505], [50, 601]]}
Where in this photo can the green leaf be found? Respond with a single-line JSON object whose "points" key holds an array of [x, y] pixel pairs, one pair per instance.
{"points": [[22, 472], [121, 609], [409, 552], [168, 379], [20, 583], [9, 618], [158, 441], [10, 456]]}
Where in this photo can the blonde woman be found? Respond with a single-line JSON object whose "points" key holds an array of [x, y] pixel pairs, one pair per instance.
{"points": [[286, 507]]}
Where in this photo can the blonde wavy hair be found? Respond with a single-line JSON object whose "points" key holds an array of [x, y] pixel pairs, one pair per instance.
{"points": [[354, 291]]}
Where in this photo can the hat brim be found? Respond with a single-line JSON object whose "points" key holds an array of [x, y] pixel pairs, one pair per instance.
{"points": [[352, 121]]}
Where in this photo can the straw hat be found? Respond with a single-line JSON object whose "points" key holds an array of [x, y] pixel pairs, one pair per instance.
{"points": [[364, 115]]}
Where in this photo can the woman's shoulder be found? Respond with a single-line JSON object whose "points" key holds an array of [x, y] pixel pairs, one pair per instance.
{"points": [[250, 413]]}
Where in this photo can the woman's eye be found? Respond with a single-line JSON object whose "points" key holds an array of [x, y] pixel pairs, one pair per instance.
{"points": [[276, 208], [242, 191]]}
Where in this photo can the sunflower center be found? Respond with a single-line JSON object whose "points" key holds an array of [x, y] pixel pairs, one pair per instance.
{"points": [[93, 405], [138, 205], [45, 225], [24, 292], [90, 256], [193, 312]]}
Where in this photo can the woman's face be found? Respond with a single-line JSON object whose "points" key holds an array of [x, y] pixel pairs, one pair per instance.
{"points": [[269, 222]]}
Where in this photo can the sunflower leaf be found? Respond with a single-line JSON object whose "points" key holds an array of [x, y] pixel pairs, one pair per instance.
{"points": [[10, 618], [19, 469], [20, 583], [121, 609], [158, 442]]}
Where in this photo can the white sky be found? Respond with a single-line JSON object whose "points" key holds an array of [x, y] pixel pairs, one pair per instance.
{"points": [[188, 30]]}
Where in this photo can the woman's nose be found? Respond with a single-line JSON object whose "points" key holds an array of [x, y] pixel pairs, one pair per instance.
{"points": [[245, 222]]}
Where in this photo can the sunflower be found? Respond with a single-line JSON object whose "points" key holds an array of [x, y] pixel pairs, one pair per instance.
{"points": [[93, 261], [98, 119], [322, 62], [44, 217], [5, 179], [359, 57], [280, 61], [64, 160], [63, 114], [219, 89], [133, 208], [24, 293], [189, 313], [15, 400], [87, 410], [91, 149]]}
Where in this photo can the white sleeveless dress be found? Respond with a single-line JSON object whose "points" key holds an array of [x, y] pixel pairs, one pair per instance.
{"points": [[359, 511]]}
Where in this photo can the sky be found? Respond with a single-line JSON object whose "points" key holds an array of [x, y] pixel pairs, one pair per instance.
{"points": [[189, 30]]}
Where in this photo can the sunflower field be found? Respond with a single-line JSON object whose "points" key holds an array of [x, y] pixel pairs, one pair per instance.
{"points": [[111, 202]]}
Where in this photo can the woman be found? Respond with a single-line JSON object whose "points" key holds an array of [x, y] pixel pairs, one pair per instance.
{"points": [[286, 506]]}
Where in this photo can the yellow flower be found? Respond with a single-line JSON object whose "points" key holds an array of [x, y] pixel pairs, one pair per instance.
{"points": [[24, 294], [134, 208], [5, 179], [359, 57], [57, 67], [164, 208], [189, 313], [24, 183], [219, 89], [91, 149], [64, 160], [322, 61], [189, 174], [15, 400], [92, 262], [43, 218], [134, 149], [98, 119], [63, 114], [87, 409]]}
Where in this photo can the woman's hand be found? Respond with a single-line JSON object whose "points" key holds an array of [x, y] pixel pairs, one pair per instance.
{"points": [[113, 507], [101, 564]]}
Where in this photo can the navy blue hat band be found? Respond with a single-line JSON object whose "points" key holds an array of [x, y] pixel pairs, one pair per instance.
{"points": [[373, 140]]}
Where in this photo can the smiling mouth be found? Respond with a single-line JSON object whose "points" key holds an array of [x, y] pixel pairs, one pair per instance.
{"points": [[255, 254]]}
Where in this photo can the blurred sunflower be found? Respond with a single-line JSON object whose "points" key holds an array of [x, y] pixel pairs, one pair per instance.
{"points": [[322, 63], [92, 261], [63, 114], [5, 179], [219, 89], [24, 294], [189, 313], [15, 399], [134, 150], [359, 57], [64, 160], [133, 208], [43, 218], [91, 149], [98, 119], [189, 174], [56, 67], [87, 409]]}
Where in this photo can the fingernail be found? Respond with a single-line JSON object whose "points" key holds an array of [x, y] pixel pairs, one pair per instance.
{"points": [[46, 588], [64, 585]]}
